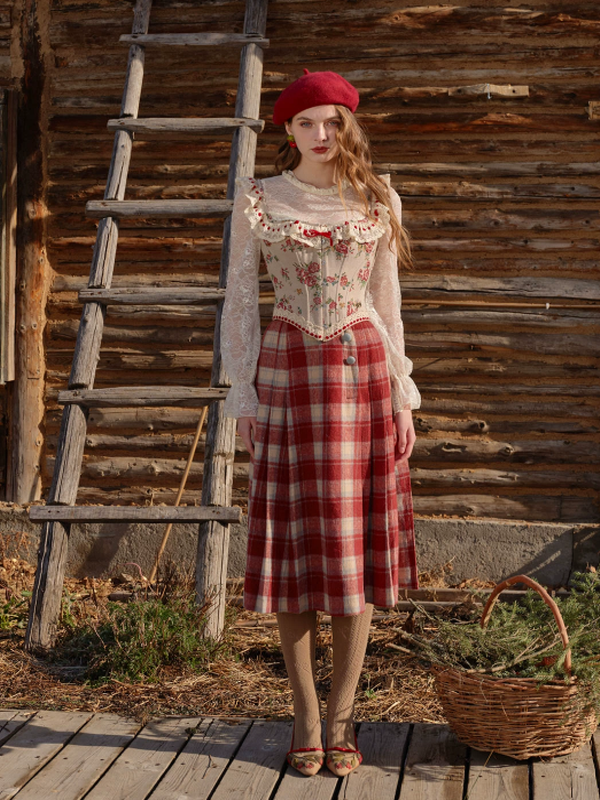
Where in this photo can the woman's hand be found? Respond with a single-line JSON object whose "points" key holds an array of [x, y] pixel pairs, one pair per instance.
{"points": [[247, 428], [405, 434]]}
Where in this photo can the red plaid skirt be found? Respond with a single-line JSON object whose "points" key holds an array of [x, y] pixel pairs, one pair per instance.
{"points": [[330, 517]]}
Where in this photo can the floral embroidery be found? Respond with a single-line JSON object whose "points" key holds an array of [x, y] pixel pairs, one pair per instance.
{"points": [[285, 305]]}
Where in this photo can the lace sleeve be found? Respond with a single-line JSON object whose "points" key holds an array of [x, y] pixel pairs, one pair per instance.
{"points": [[240, 322], [384, 300]]}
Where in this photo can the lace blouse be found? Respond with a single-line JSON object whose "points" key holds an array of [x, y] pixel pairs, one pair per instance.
{"points": [[330, 266]]}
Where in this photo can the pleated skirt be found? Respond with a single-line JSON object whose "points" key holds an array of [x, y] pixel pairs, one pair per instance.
{"points": [[330, 515]]}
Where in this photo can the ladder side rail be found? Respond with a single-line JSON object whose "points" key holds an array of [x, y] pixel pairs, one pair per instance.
{"points": [[52, 554], [217, 483]]}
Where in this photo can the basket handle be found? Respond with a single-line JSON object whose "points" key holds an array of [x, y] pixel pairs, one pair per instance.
{"points": [[545, 597]]}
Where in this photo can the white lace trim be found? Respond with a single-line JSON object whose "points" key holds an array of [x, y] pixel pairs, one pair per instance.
{"points": [[264, 226], [308, 187]]}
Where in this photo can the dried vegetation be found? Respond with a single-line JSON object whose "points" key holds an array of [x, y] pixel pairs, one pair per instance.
{"points": [[244, 676]]}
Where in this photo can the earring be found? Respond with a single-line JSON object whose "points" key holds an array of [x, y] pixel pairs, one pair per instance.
{"points": [[291, 140]]}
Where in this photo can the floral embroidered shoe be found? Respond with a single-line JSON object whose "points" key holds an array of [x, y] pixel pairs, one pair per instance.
{"points": [[307, 760], [343, 760]]}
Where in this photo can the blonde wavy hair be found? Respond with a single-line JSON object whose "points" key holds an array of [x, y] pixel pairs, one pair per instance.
{"points": [[355, 165]]}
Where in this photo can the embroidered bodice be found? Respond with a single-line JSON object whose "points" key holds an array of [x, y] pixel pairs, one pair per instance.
{"points": [[331, 266]]}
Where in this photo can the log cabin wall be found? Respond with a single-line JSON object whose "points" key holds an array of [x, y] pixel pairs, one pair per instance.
{"points": [[486, 117]]}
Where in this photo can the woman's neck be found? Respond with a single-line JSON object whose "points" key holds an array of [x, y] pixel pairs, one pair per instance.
{"points": [[319, 175]]}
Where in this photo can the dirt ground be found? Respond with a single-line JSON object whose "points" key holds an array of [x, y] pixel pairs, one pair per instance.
{"points": [[248, 680]]}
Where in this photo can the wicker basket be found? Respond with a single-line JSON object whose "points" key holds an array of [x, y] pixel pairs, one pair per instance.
{"points": [[515, 716]]}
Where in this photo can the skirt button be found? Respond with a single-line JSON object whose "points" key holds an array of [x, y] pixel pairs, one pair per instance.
{"points": [[350, 361]]}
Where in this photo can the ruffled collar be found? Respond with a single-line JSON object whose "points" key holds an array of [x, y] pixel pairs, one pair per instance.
{"points": [[308, 187]]}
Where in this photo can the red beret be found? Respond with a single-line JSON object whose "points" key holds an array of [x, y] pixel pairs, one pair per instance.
{"points": [[314, 89]]}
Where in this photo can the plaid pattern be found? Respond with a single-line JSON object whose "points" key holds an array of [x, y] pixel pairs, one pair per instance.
{"points": [[330, 518]]}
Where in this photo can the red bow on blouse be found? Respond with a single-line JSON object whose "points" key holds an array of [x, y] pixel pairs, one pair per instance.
{"points": [[313, 232]]}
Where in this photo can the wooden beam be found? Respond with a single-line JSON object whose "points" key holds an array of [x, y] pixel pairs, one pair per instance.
{"points": [[32, 269], [8, 118], [152, 295], [180, 396], [192, 125], [193, 39], [75, 514], [187, 209]]}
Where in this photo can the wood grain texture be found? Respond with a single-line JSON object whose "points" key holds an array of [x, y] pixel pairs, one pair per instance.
{"points": [[491, 775], [83, 760], [202, 761], [134, 514], [142, 396], [435, 759], [158, 208], [34, 745], [572, 776], [189, 125], [258, 763], [382, 745], [141, 766]]}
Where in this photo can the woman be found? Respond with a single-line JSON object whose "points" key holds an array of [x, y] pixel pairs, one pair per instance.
{"points": [[323, 401]]}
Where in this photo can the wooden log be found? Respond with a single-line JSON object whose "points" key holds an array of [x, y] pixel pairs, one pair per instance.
{"points": [[105, 493], [158, 208], [49, 578], [513, 342], [545, 287], [499, 425], [142, 396], [32, 270], [8, 167], [452, 451], [66, 329], [187, 125], [533, 507], [486, 169], [492, 478], [153, 295], [532, 405], [75, 514], [135, 419], [193, 39], [213, 542], [151, 470], [151, 443], [545, 317]]}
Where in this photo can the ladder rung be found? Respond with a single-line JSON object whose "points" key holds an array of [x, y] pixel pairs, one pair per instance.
{"points": [[225, 514], [184, 124], [158, 208], [153, 295], [123, 396], [193, 39]]}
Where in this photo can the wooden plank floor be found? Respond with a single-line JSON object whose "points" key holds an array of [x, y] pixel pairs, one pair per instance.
{"points": [[76, 755]]}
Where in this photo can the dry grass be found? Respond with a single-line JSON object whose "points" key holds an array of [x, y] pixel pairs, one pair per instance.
{"points": [[248, 680]]}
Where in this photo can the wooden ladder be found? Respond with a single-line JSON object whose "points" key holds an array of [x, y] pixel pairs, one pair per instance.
{"points": [[215, 514]]}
